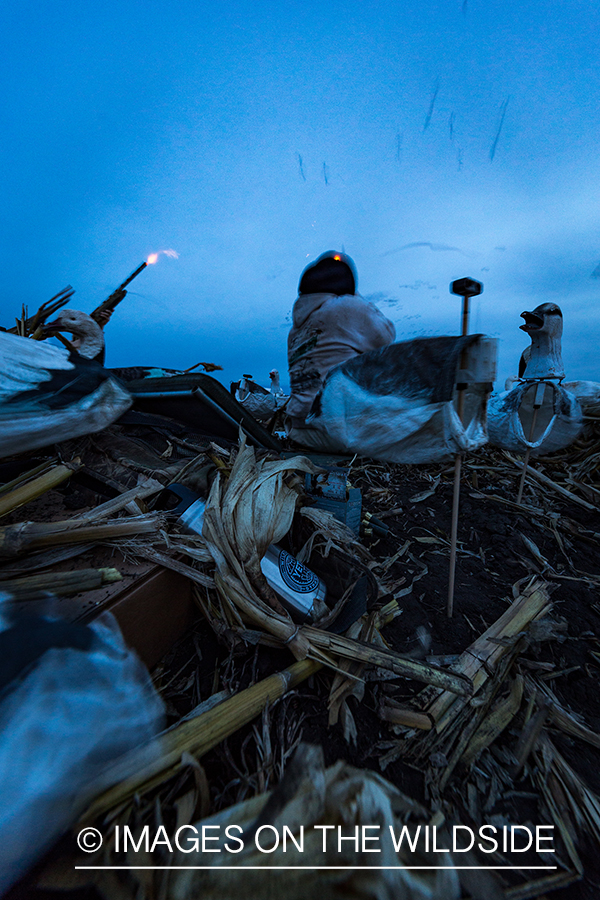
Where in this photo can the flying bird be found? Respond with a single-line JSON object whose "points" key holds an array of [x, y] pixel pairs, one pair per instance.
{"points": [[495, 144], [301, 167], [431, 105], [434, 247]]}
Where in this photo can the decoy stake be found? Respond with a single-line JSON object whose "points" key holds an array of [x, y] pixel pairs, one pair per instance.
{"points": [[465, 288], [540, 387]]}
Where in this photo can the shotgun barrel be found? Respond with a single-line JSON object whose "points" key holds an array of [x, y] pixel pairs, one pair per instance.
{"points": [[117, 295]]}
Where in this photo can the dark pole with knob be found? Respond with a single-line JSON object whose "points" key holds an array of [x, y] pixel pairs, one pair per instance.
{"points": [[465, 288]]}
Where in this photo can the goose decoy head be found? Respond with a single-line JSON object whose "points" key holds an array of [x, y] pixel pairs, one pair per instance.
{"points": [[546, 317], [87, 331], [75, 321]]}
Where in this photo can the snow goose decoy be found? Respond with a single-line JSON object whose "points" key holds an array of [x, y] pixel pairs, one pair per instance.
{"points": [[48, 394], [275, 388], [543, 359], [537, 415], [261, 402], [89, 337]]}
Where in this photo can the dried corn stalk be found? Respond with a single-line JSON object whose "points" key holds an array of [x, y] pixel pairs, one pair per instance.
{"points": [[458, 726], [143, 769], [479, 661], [26, 490], [62, 583], [25, 536]]}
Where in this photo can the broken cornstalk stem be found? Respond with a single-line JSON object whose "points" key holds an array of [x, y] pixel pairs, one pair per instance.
{"points": [[479, 661], [31, 490], [396, 714], [62, 583], [543, 479], [175, 565], [360, 651], [196, 736], [28, 476], [45, 311], [118, 503], [16, 539]]}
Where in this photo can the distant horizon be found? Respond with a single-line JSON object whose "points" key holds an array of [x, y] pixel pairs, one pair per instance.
{"points": [[228, 355]]}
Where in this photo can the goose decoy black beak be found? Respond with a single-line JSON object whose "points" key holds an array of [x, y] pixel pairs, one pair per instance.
{"points": [[532, 321]]}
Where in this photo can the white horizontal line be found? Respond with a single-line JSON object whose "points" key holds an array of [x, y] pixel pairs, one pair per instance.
{"points": [[343, 868]]}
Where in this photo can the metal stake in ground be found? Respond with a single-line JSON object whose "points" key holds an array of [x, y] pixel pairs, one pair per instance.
{"points": [[465, 288], [540, 387]]}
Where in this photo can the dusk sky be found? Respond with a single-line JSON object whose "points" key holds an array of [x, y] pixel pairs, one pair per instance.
{"points": [[429, 140]]}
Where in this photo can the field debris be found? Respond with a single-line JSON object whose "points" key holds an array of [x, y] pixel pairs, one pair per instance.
{"points": [[400, 718]]}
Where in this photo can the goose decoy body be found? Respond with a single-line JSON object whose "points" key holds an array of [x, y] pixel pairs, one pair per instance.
{"points": [[49, 394], [396, 403]]}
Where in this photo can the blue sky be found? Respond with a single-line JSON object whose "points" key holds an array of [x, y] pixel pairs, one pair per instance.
{"points": [[251, 137]]}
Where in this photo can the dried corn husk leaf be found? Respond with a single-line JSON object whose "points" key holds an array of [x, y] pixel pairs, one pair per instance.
{"points": [[547, 482], [585, 805], [561, 718], [539, 887], [573, 806], [334, 532], [418, 498], [244, 515], [338, 796]]}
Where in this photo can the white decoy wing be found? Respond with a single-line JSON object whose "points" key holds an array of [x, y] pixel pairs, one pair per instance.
{"points": [[512, 426], [25, 364], [48, 395]]}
